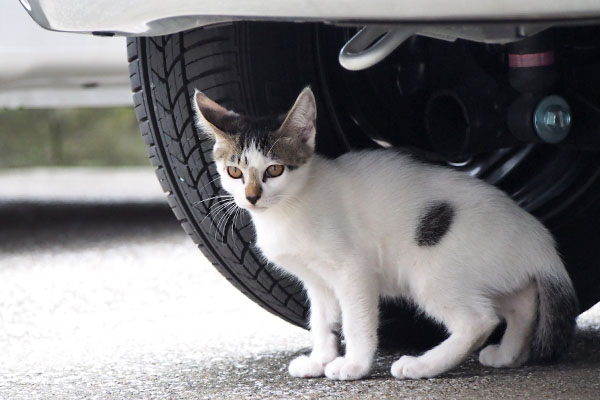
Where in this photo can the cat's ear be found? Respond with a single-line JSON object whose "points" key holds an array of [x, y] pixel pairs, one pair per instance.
{"points": [[300, 121], [213, 119]]}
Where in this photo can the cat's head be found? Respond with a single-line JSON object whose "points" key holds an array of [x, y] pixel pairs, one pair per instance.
{"points": [[261, 161]]}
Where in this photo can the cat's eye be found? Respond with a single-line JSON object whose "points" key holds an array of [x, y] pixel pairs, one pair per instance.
{"points": [[234, 172], [273, 171]]}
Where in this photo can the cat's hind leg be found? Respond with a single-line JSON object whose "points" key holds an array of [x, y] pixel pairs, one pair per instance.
{"points": [[324, 315], [520, 312], [468, 331]]}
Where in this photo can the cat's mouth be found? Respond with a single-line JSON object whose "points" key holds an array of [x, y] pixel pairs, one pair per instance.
{"points": [[256, 208], [253, 207]]}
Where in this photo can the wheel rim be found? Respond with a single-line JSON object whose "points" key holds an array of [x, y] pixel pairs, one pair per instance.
{"points": [[543, 179]]}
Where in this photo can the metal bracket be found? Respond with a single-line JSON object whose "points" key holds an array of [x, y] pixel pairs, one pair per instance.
{"points": [[372, 44], [375, 42]]}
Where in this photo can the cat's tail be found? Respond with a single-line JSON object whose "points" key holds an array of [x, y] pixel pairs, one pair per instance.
{"points": [[558, 308]]}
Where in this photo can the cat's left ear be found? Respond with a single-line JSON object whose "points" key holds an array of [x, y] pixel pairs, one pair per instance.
{"points": [[213, 119], [300, 121]]}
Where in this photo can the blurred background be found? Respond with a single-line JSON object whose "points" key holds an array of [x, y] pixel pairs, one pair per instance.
{"points": [[64, 98], [74, 137]]}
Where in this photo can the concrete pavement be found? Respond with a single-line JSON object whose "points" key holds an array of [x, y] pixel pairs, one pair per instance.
{"points": [[109, 299]]}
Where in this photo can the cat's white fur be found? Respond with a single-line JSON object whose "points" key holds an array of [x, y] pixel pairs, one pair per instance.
{"points": [[346, 229]]}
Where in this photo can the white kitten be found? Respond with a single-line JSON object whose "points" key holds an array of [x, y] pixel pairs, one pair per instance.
{"points": [[375, 224]]}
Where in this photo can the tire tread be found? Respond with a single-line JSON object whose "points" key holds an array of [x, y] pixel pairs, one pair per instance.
{"points": [[182, 160]]}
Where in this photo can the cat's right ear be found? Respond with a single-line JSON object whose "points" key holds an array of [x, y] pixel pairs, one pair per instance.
{"points": [[213, 119], [300, 122]]}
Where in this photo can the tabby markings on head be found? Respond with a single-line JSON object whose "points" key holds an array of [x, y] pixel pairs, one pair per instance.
{"points": [[263, 136]]}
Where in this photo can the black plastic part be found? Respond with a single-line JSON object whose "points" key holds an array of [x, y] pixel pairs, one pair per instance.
{"points": [[533, 79], [103, 33], [462, 121], [520, 118]]}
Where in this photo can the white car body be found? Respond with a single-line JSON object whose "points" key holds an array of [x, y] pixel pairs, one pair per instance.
{"points": [[40, 68], [157, 17]]}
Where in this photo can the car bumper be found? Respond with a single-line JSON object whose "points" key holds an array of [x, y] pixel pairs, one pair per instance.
{"points": [[159, 17], [44, 69]]}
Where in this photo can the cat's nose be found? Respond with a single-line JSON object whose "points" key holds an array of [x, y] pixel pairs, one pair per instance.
{"points": [[253, 199]]}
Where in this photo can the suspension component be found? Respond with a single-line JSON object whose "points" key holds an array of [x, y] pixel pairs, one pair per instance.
{"points": [[535, 115], [372, 44]]}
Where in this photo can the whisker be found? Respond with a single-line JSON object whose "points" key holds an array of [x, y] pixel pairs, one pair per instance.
{"points": [[216, 225], [213, 197], [226, 212], [223, 220], [202, 188], [233, 224], [221, 201], [218, 208], [222, 204], [238, 216]]}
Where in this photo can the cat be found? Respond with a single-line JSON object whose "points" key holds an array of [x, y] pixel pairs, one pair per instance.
{"points": [[377, 224]]}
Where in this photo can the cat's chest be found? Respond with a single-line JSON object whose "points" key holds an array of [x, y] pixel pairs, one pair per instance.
{"points": [[288, 245], [276, 241]]}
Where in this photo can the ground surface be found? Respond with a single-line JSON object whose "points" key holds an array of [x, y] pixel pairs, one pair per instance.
{"points": [[103, 296]]}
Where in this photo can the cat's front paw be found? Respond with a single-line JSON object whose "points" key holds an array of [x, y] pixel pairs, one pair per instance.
{"points": [[409, 367], [343, 369], [306, 367]]}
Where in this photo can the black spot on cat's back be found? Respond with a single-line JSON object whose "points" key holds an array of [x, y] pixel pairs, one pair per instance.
{"points": [[433, 223]]}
